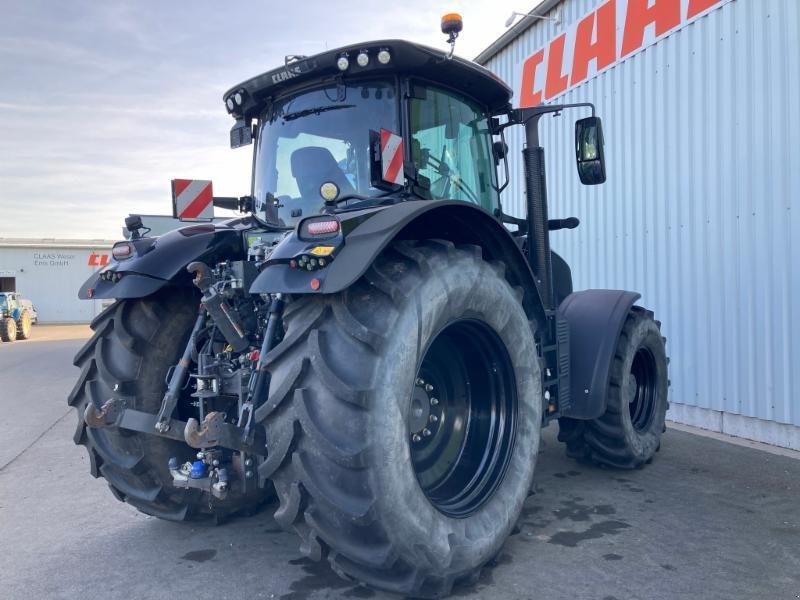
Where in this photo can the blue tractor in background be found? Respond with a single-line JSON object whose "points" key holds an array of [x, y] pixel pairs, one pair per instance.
{"points": [[17, 317]]}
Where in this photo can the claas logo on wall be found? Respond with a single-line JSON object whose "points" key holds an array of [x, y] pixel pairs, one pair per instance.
{"points": [[98, 260], [614, 31]]}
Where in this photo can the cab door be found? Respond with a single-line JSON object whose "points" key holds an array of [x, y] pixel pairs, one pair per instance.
{"points": [[451, 145]]}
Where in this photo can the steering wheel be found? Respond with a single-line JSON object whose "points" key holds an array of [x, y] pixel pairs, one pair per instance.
{"points": [[441, 166]]}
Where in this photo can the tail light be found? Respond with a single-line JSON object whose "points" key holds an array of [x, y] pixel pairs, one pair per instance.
{"points": [[317, 228], [122, 250]]}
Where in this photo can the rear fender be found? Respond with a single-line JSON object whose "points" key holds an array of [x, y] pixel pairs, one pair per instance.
{"points": [[595, 319], [162, 260], [368, 232]]}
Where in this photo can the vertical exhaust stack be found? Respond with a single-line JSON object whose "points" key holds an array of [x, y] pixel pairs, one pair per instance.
{"points": [[536, 200], [536, 184]]}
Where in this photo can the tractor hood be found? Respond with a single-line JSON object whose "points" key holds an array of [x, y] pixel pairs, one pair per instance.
{"points": [[248, 99]]}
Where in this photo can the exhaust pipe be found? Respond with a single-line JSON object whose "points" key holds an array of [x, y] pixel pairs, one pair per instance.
{"points": [[536, 200]]}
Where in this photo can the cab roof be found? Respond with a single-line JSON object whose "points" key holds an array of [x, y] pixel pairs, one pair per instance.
{"points": [[248, 98]]}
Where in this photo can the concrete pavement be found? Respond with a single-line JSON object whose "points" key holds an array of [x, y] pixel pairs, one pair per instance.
{"points": [[706, 520]]}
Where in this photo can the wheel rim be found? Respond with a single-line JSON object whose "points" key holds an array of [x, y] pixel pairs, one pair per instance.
{"points": [[642, 389], [463, 417]]}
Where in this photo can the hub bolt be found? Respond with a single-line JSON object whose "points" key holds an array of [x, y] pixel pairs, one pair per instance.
{"points": [[434, 401], [426, 432], [420, 381], [428, 387], [415, 438], [248, 462], [248, 474], [433, 418]]}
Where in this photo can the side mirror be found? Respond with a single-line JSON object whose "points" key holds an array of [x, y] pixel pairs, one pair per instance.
{"points": [[589, 151], [500, 149]]}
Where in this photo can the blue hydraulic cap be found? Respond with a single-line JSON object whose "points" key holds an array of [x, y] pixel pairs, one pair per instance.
{"points": [[199, 470]]}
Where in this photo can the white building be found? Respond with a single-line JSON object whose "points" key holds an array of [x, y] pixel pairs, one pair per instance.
{"points": [[49, 272], [700, 211]]}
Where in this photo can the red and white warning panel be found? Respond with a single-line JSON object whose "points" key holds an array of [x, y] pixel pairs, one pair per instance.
{"points": [[192, 199], [392, 157]]}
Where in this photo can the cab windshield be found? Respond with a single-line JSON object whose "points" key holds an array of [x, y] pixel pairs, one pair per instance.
{"points": [[316, 137]]}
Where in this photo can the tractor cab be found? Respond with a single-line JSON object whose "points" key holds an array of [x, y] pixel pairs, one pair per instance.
{"points": [[366, 123]]}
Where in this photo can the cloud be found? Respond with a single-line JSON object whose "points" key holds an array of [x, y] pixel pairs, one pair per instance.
{"points": [[103, 103]]}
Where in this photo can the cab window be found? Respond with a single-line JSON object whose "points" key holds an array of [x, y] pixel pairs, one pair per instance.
{"points": [[451, 146]]}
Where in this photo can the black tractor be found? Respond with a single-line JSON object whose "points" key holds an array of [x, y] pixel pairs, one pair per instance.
{"points": [[375, 343]]}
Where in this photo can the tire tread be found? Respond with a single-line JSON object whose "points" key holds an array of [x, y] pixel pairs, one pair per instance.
{"points": [[313, 471], [602, 441]]}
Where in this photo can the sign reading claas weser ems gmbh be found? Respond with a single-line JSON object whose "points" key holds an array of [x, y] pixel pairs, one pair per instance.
{"points": [[615, 30]]}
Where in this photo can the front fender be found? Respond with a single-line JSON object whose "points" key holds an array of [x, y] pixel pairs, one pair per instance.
{"points": [[163, 260], [595, 319]]}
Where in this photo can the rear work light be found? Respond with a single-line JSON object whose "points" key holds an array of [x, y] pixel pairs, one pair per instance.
{"points": [[122, 250], [319, 228]]}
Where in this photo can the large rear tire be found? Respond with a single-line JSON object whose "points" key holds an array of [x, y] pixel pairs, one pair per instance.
{"points": [[628, 434], [134, 344], [8, 329], [353, 388]]}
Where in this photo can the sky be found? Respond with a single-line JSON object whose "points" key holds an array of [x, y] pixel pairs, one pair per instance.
{"points": [[103, 103]]}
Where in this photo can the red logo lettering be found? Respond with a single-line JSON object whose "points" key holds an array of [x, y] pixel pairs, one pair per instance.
{"points": [[595, 38], [528, 96], [603, 50], [556, 82], [698, 6], [666, 14], [98, 260]]}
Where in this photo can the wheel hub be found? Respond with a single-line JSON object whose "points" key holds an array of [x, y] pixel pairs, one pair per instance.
{"points": [[420, 409], [462, 417], [642, 389], [426, 413]]}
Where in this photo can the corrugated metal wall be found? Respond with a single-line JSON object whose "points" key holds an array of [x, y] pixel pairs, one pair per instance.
{"points": [[701, 211]]}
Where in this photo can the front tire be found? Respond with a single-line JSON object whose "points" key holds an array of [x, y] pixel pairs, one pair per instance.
{"points": [[349, 401], [134, 344], [8, 329], [629, 433]]}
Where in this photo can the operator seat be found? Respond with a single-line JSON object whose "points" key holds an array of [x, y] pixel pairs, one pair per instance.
{"points": [[312, 166]]}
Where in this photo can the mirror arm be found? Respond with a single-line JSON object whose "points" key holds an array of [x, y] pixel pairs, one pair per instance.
{"points": [[242, 204], [520, 116]]}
